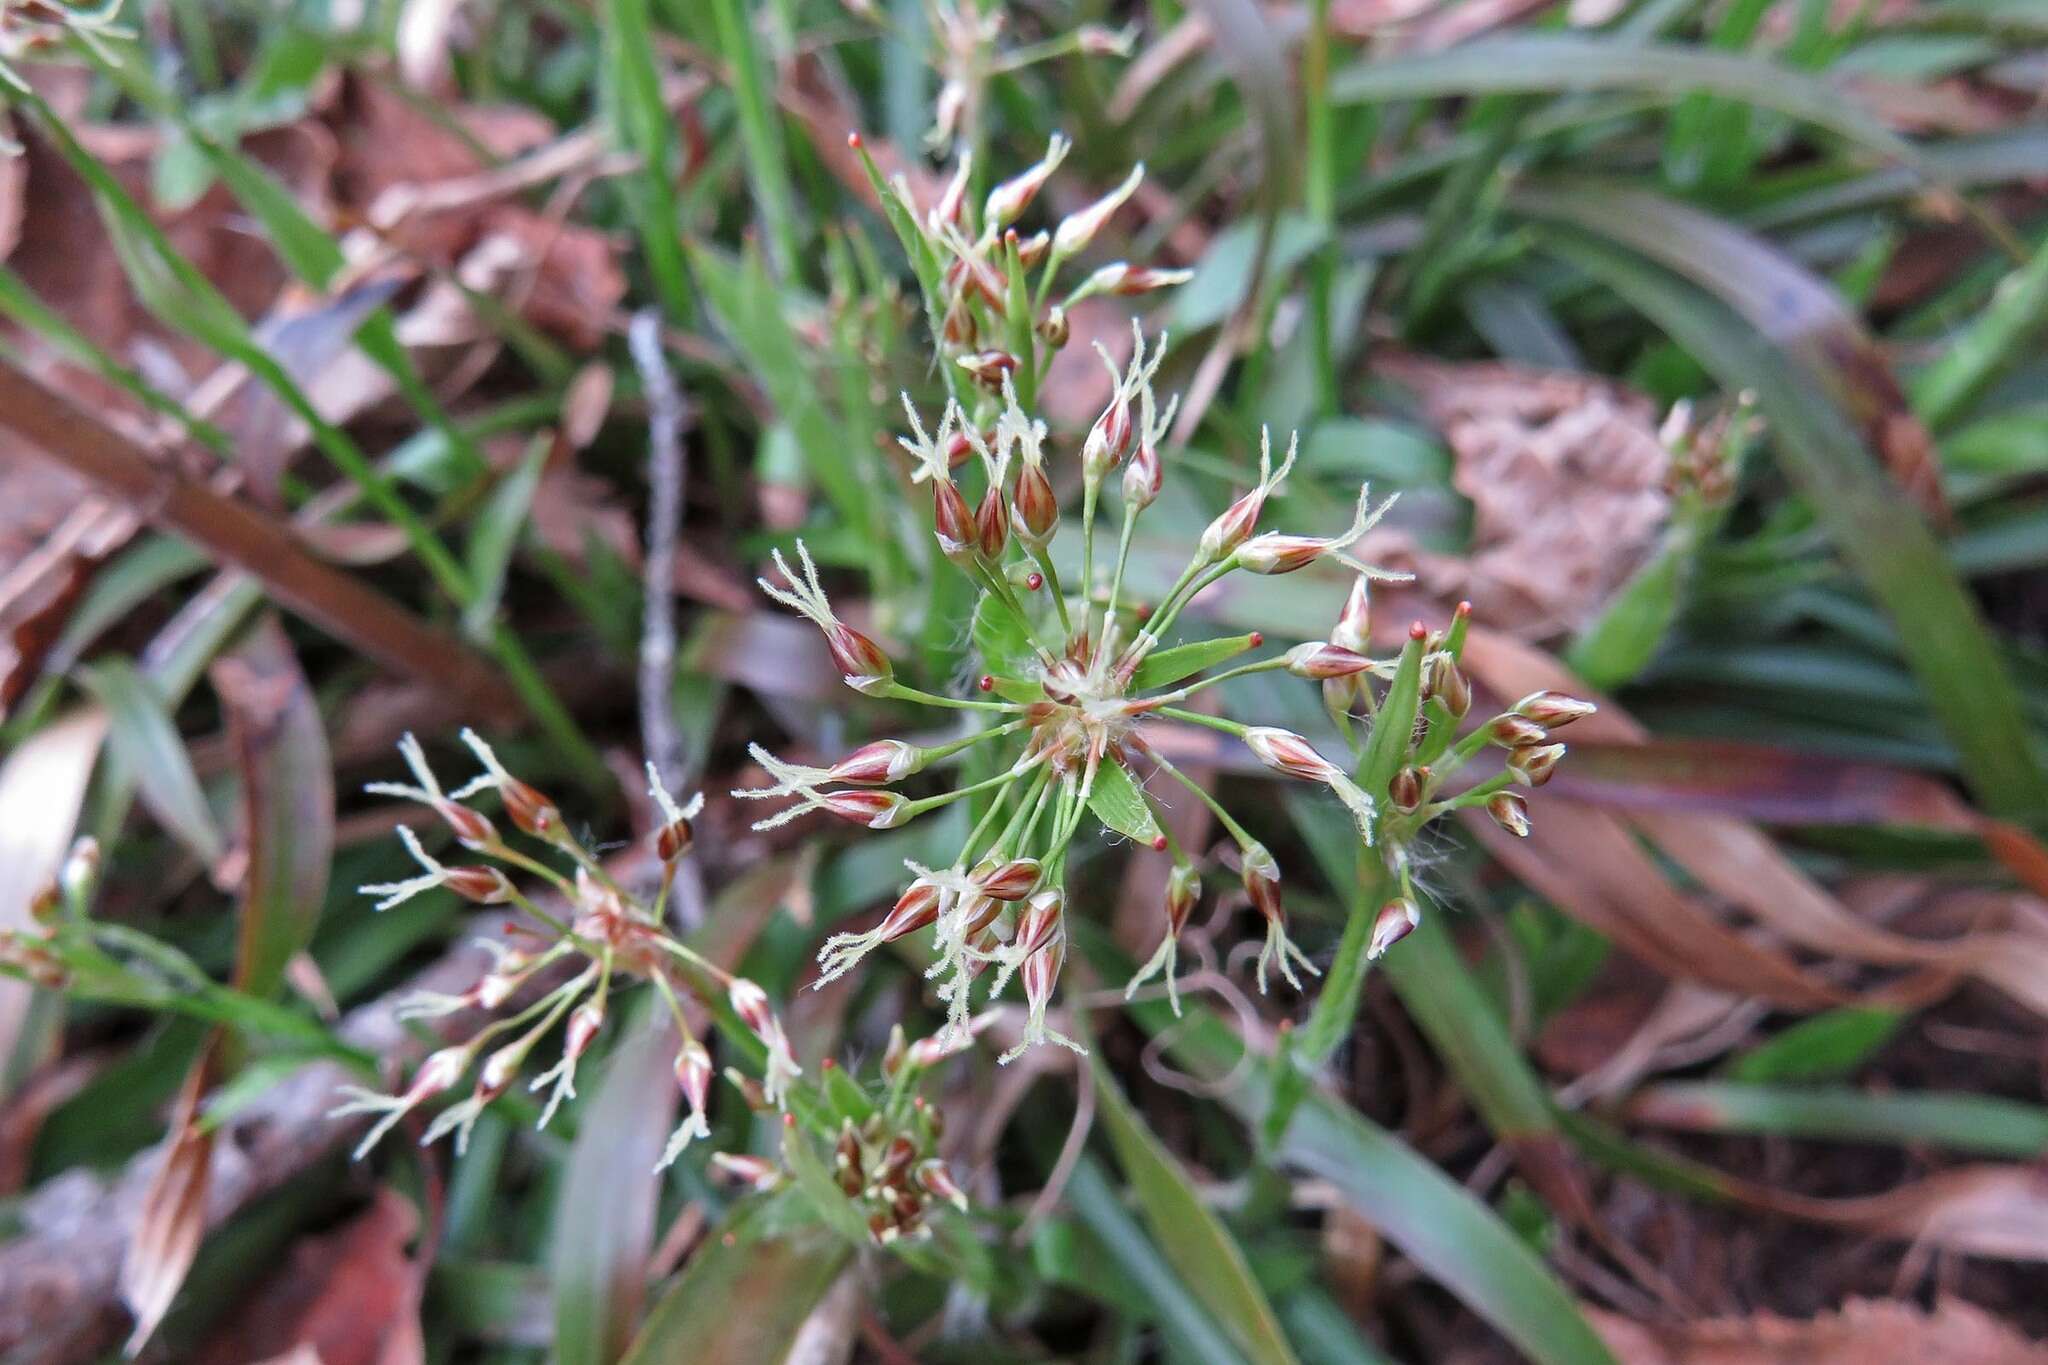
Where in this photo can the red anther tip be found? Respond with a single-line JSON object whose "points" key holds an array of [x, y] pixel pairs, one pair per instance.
{"points": [[1418, 631], [1258, 638], [827, 1064], [1010, 236], [917, 1101], [1034, 582], [1287, 1026], [853, 141], [1464, 609], [1159, 844], [987, 683], [1144, 612], [788, 1119]]}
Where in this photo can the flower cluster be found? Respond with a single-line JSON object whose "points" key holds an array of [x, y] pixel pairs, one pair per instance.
{"points": [[991, 291], [1072, 681], [568, 965]]}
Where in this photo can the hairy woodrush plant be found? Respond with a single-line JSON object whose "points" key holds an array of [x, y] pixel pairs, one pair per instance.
{"points": [[1074, 678]]}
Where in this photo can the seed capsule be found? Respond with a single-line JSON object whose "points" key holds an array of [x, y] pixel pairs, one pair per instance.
{"points": [[1406, 789], [1533, 765], [1553, 709], [1034, 510], [1396, 919], [1515, 732], [1510, 812]]}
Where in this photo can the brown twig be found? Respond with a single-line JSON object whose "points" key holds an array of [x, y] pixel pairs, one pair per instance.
{"points": [[55, 428]]}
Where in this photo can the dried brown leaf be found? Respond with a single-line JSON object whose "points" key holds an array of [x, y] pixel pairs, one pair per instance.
{"points": [[347, 1297], [1564, 473], [172, 1218], [1864, 1332]]}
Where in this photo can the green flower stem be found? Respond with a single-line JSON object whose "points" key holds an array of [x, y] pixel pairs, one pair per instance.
{"points": [[1091, 489], [1237, 831], [1336, 1008], [1017, 834], [1260, 666], [1052, 583], [1116, 580], [913, 809], [937, 752], [1228, 727], [1170, 610], [1477, 795], [897, 691]]}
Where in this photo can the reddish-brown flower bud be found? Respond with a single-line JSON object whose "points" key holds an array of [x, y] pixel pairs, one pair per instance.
{"points": [[1109, 440], [530, 810], [472, 829], [1353, 630], [1455, 692], [1510, 812], [1039, 923], [1144, 476], [1262, 881], [1034, 510], [1010, 881], [878, 764], [916, 908], [1514, 732], [978, 913], [438, 1073], [989, 368], [992, 523], [693, 1074], [1534, 763], [1031, 250], [674, 839], [1321, 661], [953, 521], [896, 1160], [478, 884], [860, 660], [1234, 526], [1127, 280], [958, 448], [870, 809], [1288, 753], [1396, 919], [1274, 553], [1406, 788], [584, 1022], [1183, 891], [756, 1173], [938, 1182], [1054, 329], [1553, 709]]}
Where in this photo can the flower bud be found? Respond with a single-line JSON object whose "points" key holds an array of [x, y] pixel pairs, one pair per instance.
{"points": [[1353, 630], [693, 1074], [1514, 732], [1077, 230], [937, 1181], [1183, 891], [916, 908], [1010, 881], [895, 1051], [989, 368], [81, 870], [1323, 661], [1510, 812], [756, 1173], [1289, 754], [478, 885], [1039, 924], [45, 904], [1274, 553], [1009, 199], [1233, 527], [530, 810], [1532, 764], [1031, 250], [674, 839], [861, 662], [438, 1073], [992, 523], [1054, 329], [1405, 790], [1144, 476], [1394, 922], [1553, 710], [1262, 880], [953, 521], [1109, 440], [878, 764], [472, 829], [1128, 280], [870, 809], [1455, 692], [501, 1068], [584, 1022], [1034, 510], [750, 1003]]}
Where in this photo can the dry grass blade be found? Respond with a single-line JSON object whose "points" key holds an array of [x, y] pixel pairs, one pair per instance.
{"points": [[173, 1215], [234, 534], [1863, 1332]]}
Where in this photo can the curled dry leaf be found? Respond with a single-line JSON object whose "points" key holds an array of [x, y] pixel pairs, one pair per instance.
{"points": [[1864, 1332], [1564, 473], [1594, 863]]}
